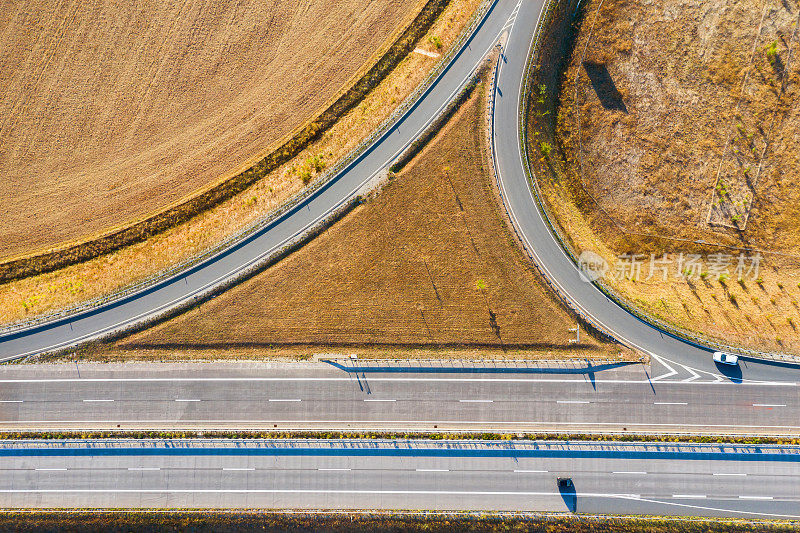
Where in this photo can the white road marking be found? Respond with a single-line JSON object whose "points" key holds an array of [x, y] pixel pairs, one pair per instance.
{"points": [[143, 468], [694, 374], [396, 380], [769, 405], [185, 400], [10, 401], [476, 401], [689, 496], [638, 473], [93, 401], [531, 471], [670, 403], [755, 497], [728, 474], [378, 400], [51, 469], [670, 371], [432, 470], [573, 401], [706, 508], [414, 423], [237, 469], [285, 400], [333, 469]]}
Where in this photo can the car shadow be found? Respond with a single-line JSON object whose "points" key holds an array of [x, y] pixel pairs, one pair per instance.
{"points": [[570, 497], [732, 372]]}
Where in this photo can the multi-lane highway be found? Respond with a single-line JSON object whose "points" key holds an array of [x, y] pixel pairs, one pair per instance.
{"points": [[545, 397], [683, 391], [669, 479]]}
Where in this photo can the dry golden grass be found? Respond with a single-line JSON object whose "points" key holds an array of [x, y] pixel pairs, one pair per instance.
{"points": [[113, 111], [692, 85], [425, 267], [47, 292]]}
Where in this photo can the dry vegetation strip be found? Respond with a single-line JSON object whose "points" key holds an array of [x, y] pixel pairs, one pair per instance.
{"points": [[243, 521], [111, 114], [426, 264], [684, 126], [43, 293]]}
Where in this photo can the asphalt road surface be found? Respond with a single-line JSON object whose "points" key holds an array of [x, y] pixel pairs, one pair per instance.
{"points": [[665, 479], [564, 397]]}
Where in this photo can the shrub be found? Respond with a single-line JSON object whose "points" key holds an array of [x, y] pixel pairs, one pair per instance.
{"points": [[435, 41]]}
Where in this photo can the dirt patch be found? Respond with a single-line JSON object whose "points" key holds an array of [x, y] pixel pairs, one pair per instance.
{"points": [[676, 134], [427, 263], [114, 112]]}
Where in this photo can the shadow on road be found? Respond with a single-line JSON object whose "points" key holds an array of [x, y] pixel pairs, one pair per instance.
{"points": [[588, 369], [570, 497], [732, 372], [757, 360]]}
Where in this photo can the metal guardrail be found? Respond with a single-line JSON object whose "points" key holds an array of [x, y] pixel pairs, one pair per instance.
{"points": [[694, 338], [259, 224]]}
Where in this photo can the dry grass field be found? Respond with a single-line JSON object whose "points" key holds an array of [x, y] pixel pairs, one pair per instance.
{"points": [[678, 124], [427, 266], [44, 293], [112, 111]]}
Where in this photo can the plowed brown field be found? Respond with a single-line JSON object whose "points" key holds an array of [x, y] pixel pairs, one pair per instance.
{"points": [[112, 111]]}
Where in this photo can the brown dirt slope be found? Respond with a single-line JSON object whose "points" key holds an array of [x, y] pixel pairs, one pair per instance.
{"points": [[110, 112], [677, 123], [427, 262]]}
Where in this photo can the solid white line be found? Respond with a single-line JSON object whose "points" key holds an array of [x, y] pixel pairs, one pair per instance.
{"points": [[573, 401], [93, 401], [690, 496], [307, 491], [185, 400], [237, 469], [755, 497], [10, 401], [432, 470], [728, 474], [769, 405], [378, 400], [531, 471], [476, 401], [333, 469], [143, 468], [285, 400], [51, 469], [639, 473], [223, 422], [395, 379], [670, 403]]}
